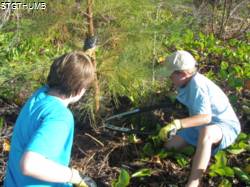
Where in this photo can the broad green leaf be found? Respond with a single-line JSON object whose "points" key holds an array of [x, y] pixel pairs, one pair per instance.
{"points": [[225, 183], [220, 166], [181, 160], [1, 123], [123, 179], [156, 140], [241, 175], [148, 149], [235, 151], [189, 150], [242, 136], [243, 144], [220, 171], [212, 172], [164, 153], [221, 159], [240, 145], [225, 171], [229, 172], [224, 65]]}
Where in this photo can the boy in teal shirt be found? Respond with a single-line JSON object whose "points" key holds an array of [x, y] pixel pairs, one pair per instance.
{"points": [[43, 133], [212, 125]]}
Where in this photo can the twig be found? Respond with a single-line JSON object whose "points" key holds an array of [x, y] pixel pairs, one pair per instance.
{"points": [[98, 141], [223, 18], [236, 7], [5, 17], [228, 15], [82, 151], [238, 33], [106, 158], [87, 162], [212, 21]]}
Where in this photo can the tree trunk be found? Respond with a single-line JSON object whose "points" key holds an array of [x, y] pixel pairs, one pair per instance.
{"points": [[91, 34]]}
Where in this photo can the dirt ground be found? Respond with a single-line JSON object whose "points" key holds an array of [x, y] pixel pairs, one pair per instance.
{"points": [[101, 153]]}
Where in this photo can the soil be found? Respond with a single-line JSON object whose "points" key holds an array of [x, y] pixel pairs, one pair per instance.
{"points": [[101, 153]]}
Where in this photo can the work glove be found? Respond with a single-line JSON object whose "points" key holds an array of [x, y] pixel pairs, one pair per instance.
{"points": [[80, 180], [86, 182], [167, 132], [90, 43]]}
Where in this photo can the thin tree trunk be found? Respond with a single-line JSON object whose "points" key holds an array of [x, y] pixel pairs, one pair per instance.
{"points": [[91, 34], [90, 18]]}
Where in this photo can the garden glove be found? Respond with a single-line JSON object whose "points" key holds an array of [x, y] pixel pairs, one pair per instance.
{"points": [[170, 130], [80, 180], [86, 182]]}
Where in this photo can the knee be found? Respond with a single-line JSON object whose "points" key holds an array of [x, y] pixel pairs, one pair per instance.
{"points": [[205, 135]]}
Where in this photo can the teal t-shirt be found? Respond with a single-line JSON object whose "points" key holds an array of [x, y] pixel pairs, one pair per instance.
{"points": [[45, 126]]}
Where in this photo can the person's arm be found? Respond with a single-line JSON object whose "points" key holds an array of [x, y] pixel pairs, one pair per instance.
{"points": [[37, 166], [171, 128], [194, 121]]}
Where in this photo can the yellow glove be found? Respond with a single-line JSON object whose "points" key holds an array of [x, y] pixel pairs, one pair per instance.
{"points": [[80, 180], [81, 184], [90, 45], [170, 129]]}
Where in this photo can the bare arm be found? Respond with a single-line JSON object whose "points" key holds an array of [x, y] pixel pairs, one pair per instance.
{"points": [[194, 121], [37, 166]]}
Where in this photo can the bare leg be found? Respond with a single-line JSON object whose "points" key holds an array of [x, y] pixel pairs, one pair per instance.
{"points": [[208, 136]]}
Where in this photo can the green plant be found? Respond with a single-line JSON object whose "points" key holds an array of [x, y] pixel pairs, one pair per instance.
{"points": [[1, 123], [220, 166], [123, 179], [24, 68], [148, 149], [225, 183], [244, 177], [181, 159], [241, 144], [145, 172]]}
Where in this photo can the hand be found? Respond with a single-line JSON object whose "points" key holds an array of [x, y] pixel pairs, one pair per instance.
{"points": [[86, 182], [170, 130], [90, 43], [80, 180]]}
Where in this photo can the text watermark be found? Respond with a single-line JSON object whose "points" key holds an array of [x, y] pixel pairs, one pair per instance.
{"points": [[23, 5]]}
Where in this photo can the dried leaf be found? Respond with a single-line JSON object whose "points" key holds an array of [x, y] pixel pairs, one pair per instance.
{"points": [[6, 145], [247, 84]]}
